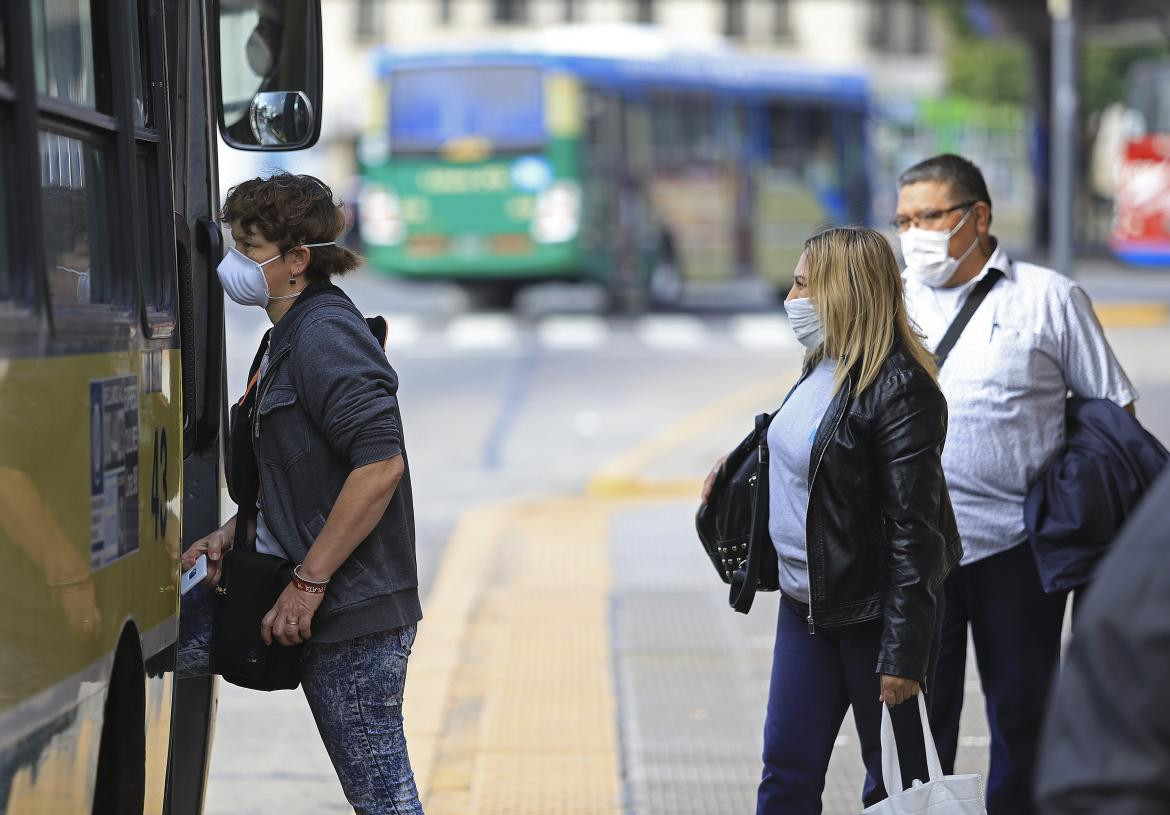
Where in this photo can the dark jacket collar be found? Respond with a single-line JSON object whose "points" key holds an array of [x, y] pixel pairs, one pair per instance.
{"points": [[315, 294]]}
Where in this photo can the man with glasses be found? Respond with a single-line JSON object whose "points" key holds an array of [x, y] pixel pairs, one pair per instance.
{"points": [[1031, 341]]}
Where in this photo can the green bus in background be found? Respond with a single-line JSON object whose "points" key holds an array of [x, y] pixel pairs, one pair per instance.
{"points": [[557, 160]]}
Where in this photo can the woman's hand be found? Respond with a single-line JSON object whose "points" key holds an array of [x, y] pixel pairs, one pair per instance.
{"points": [[289, 621], [709, 483], [896, 689], [213, 545]]}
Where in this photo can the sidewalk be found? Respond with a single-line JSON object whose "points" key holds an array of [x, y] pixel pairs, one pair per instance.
{"points": [[579, 656]]}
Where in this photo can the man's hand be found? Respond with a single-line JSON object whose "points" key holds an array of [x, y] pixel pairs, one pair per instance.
{"points": [[896, 690], [709, 483]]}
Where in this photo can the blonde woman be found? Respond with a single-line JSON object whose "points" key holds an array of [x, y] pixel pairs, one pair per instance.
{"points": [[861, 521]]}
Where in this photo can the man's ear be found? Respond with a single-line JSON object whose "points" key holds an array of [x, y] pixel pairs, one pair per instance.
{"points": [[982, 217]]}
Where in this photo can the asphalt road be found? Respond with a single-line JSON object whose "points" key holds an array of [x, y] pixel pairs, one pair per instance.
{"points": [[550, 401]]}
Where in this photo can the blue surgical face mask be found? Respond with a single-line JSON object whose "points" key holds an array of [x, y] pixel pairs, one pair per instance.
{"points": [[244, 281], [804, 321]]}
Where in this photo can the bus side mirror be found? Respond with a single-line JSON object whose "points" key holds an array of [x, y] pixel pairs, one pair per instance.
{"points": [[267, 58]]}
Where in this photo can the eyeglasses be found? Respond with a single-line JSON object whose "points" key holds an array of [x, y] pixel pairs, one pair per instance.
{"points": [[927, 219]]}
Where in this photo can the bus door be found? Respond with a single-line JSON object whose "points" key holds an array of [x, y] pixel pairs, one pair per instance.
{"points": [[260, 84], [693, 190]]}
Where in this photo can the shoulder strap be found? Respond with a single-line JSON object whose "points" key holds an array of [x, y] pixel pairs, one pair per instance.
{"points": [[971, 304]]}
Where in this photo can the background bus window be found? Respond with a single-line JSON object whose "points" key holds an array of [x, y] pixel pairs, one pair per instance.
{"points": [[683, 129], [803, 151], [502, 106], [63, 51], [74, 210]]}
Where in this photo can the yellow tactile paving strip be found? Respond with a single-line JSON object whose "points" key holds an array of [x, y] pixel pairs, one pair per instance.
{"points": [[510, 705]]}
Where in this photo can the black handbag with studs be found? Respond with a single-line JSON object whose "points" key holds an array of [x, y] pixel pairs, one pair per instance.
{"points": [[733, 524]]}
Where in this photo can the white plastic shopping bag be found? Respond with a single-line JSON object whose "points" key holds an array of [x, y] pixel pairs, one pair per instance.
{"points": [[940, 795]]}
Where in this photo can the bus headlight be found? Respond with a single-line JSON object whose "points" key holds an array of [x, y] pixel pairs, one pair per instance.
{"points": [[380, 215], [557, 214]]}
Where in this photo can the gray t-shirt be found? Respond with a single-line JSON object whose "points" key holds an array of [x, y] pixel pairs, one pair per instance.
{"points": [[266, 542], [790, 442]]}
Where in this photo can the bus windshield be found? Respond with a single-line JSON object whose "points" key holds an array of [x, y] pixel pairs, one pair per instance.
{"points": [[434, 107]]}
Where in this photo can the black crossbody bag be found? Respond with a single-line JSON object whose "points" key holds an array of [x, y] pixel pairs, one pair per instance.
{"points": [[251, 581]]}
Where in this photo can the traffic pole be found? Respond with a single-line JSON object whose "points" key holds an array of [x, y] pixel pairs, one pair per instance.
{"points": [[1064, 180]]}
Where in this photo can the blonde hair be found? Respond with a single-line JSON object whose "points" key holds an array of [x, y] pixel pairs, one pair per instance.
{"points": [[853, 279]]}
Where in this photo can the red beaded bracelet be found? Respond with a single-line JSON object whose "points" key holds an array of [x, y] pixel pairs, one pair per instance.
{"points": [[311, 586]]}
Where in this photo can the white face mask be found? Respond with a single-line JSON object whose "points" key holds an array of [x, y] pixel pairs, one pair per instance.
{"points": [[804, 321], [244, 281], [928, 254]]}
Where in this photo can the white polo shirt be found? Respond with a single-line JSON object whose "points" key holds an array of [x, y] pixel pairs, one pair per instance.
{"points": [[1034, 338]]}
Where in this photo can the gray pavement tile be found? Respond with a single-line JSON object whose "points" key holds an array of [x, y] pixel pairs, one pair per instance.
{"points": [[692, 680]]}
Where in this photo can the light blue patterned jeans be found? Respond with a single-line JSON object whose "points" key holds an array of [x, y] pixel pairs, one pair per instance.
{"points": [[354, 689]]}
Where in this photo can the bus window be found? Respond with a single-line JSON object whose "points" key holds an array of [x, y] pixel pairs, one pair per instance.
{"points": [[4, 42], [140, 70], [430, 110], [63, 51], [157, 284], [803, 148], [6, 289], [74, 207], [683, 129]]}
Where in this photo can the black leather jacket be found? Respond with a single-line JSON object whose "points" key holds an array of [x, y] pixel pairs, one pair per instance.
{"points": [[880, 530]]}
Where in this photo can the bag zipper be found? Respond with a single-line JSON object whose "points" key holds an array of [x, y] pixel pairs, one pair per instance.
{"points": [[812, 628]]}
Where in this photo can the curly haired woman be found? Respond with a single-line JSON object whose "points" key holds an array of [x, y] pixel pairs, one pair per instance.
{"points": [[334, 485]]}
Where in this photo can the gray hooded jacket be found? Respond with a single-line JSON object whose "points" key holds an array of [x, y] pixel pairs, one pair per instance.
{"points": [[328, 404]]}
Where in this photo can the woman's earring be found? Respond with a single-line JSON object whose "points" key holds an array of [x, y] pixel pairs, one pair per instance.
{"points": [[292, 281]]}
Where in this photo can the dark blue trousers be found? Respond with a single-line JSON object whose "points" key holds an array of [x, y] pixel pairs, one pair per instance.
{"points": [[1015, 628], [816, 678]]}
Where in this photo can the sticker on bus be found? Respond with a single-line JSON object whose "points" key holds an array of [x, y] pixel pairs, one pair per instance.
{"points": [[113, 405]]}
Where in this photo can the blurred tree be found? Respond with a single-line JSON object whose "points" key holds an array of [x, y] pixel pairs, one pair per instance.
{"points": [[1104, 69], [989, 70]]}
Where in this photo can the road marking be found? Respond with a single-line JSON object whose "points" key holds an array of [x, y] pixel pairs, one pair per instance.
{"points": [[625, 476], [671, 331], [482, 332], [573, 332], [761, 331]]}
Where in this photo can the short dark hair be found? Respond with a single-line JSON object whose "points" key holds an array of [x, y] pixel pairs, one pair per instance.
{"points": [[963, 177], [292, 210]]}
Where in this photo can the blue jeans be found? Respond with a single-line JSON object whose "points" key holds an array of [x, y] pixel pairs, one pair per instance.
{"points": [[816, 678], [354, 689]]}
